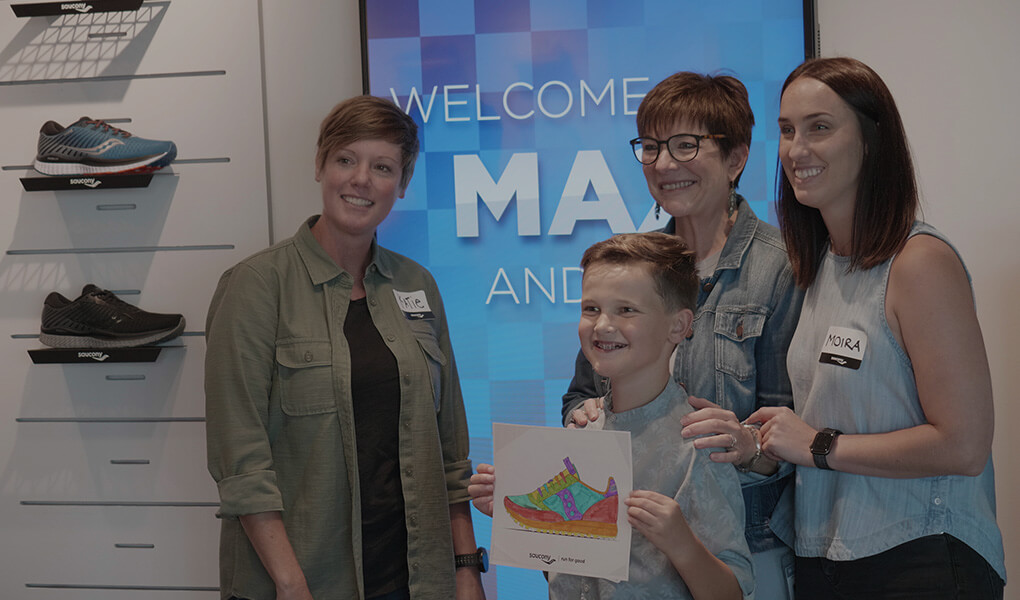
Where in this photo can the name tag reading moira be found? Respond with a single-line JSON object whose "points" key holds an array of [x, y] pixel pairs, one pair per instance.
{"points": [[414, 304], [844, 347]]}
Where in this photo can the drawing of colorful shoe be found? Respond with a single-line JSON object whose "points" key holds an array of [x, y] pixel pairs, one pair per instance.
{"points": [[566, 505]]}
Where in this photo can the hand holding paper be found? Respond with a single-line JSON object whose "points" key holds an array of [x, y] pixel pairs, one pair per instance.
{"points": [[483, 484]]}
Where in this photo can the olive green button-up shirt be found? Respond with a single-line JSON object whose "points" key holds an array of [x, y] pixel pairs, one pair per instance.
{"points": [[280, 423]]}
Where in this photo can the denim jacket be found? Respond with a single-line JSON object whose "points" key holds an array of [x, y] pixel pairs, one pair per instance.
{"points": [[736, 357]]}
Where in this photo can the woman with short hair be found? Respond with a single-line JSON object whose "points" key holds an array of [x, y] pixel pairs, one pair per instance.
{"points": [[694, 137], [335, 423]]}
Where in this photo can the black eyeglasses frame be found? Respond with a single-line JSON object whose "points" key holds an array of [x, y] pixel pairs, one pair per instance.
{"points": [[637, 144]]}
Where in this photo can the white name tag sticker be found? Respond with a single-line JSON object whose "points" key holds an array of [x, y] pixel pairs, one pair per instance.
{"points": [[415, 305], [844, 347]]}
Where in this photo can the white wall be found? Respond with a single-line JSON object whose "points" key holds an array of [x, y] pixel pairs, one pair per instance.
{"points": [[952, 68], [313, 61]]}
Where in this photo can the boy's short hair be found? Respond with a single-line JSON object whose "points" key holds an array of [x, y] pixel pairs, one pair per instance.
{"points": [[369, 118], [670, 262]]}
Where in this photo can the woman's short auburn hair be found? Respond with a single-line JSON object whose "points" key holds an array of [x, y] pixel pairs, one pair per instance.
{"points": [[369, 117], [717, 102], [887, 199], [669, 261]]}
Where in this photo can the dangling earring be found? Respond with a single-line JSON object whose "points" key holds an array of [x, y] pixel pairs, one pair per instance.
{"points": [[658, 208], [733, 199]]}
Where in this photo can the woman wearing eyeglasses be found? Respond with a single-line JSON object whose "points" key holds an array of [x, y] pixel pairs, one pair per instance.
{"points": [[694, 135]]}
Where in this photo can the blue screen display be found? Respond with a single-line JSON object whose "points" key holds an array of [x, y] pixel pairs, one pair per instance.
{"points": [[525, 110]]}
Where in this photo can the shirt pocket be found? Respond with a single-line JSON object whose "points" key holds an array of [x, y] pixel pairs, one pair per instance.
{"points": [[737, 330], [434, 356], [305, 369]]}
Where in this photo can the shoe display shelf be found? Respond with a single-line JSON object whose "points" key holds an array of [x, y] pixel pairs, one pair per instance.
{"points": [[85, 182], [114, 487], [50, 356], [45, 9]]}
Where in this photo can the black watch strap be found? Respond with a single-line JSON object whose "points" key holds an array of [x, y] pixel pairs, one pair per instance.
{"points": [[821, 461], [479, 558]]}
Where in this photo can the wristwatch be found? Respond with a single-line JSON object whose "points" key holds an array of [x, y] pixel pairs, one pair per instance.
{"points": [[822, 445], [479, 558]]}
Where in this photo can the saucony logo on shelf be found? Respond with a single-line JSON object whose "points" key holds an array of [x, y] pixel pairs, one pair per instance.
{"points": [[82, 7], [89, 182], [96, 356]]}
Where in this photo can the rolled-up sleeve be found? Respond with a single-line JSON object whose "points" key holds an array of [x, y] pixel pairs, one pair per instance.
{"points": [[239, 364], [452, 420]]}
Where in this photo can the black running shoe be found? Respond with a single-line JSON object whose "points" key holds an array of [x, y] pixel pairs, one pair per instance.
{"points": [[99, 319]]}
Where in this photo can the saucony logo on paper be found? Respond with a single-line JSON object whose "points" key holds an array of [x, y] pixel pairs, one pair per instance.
{"points": [[89, 182], [839, 360], [97, 356], [82, 7]]}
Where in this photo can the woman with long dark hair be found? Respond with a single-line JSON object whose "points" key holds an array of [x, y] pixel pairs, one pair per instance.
{"points": [[893, 426]]}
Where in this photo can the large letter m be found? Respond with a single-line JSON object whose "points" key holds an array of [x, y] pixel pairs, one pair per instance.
{"points": [[473, 184]]}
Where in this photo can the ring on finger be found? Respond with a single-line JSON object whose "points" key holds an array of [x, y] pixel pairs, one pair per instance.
{"points": [[733, 442]]}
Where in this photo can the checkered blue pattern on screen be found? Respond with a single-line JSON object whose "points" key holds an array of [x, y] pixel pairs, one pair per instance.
{"points": [[511, 299]]}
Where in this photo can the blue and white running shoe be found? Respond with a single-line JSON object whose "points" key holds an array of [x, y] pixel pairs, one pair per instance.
{"points": [[91, 147]]}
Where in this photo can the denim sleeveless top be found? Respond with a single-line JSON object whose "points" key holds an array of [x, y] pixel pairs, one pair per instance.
{"points": [[849, 372]]}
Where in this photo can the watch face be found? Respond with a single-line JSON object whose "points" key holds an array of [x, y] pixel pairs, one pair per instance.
{"points": [[823, 441]]}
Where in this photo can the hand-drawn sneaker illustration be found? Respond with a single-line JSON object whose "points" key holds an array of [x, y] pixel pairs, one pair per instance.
{"points": [[93, 147], [566, 505], [99, 319]]}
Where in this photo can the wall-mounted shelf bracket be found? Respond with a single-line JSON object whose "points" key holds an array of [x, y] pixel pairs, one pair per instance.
{"points": [[85, 182], [44, 356], [46, 9]]}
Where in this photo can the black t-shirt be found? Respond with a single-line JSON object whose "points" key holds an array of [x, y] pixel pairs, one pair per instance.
{"points": [[375, 391]]}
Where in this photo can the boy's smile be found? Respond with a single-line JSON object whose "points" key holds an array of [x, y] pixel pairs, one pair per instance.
{"points": [[625, 329]]}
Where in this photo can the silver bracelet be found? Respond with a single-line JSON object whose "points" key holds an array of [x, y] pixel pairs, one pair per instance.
{"points": [[757, 448]]}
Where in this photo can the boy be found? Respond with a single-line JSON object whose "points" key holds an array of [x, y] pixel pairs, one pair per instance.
{"points": [[638, 292]]}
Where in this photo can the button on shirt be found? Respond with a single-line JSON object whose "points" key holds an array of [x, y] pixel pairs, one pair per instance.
{"points": [[280, 424]]}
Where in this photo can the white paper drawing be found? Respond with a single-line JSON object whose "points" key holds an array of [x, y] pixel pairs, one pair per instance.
{"points": [[558, 503]]}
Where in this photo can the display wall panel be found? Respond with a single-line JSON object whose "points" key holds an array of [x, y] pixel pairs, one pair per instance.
{"points": [[128, 436], [122, 459], [128, 44], [70, 532]]}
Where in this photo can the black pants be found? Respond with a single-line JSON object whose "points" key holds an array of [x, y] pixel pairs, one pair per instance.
{"points": [[936, 567]]}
